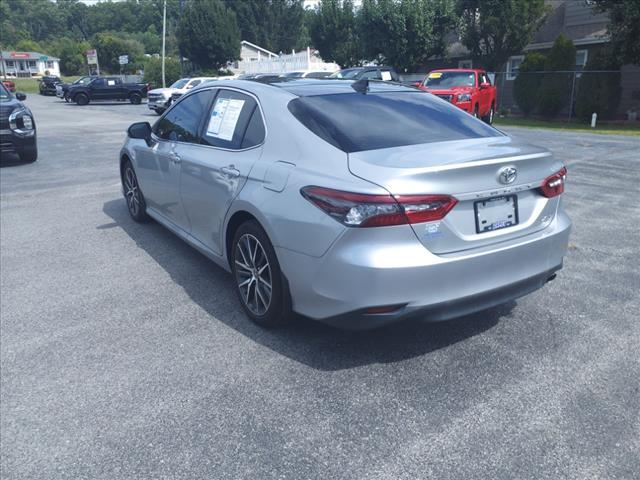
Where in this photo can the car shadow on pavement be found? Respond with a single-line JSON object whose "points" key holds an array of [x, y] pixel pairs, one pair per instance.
{"points": [[305, 341]]}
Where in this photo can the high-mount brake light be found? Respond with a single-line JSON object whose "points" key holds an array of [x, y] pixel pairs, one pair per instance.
{"points": [[365, 210], [553, 185]]}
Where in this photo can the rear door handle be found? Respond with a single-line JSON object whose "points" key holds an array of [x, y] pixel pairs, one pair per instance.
{"points": [[175, 158], [230, 171]]}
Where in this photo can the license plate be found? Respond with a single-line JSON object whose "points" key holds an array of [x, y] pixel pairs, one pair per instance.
{"points": [[496, 213]]}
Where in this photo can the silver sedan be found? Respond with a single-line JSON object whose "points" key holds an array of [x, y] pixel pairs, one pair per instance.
{"points": [[354, 203]]}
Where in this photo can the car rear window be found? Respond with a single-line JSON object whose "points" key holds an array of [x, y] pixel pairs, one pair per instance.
{"points": [[355, 122]]}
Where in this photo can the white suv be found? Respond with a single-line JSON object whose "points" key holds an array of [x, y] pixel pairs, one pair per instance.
{"points": [[160, 98]]}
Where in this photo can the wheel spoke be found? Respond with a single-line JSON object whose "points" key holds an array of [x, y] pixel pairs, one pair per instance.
{"points": [[265, 283], [246, 298], [248, 245], [243, 266], [264, 302]]}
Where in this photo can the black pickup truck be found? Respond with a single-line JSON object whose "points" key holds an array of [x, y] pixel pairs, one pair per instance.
{"points": [[107, 88]]}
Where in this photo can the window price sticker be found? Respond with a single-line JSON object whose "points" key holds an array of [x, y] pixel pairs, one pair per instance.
{"points": [[224, 118]]}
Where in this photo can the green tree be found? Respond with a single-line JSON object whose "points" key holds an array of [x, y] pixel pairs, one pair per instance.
{"points": [[208, 34], [28, 45], [71, 54], [153, 71], [526, 88], [624, 28], [334, 32], [493, 30], [599, 92], [404, 33], [277, 25], [555, 88], [110, 45]]}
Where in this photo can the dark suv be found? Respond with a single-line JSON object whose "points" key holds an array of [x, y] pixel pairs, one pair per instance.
{"points": [[375, 72], [17, 126]]}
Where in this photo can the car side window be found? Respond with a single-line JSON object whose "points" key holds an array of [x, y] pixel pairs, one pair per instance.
{"points": [[182, 122], [98, 82], [485, 79], [372, 75], [254, 134], [195, 83], [230, 115]]}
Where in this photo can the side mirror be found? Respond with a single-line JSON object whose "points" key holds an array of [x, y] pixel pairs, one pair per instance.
{"points": [[140, 130], [484, 85], [21, 96]]}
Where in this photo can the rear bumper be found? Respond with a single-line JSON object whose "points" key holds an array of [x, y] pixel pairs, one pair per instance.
{"points": [[389, 266]]}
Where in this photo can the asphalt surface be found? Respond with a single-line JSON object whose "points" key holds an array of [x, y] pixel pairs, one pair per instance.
{"points": [[125, 354]]}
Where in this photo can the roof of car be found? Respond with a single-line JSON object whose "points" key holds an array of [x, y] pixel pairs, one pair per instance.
{"points": [[307, 87], [458, 70]]}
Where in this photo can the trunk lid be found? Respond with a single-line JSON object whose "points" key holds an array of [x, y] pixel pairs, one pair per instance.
{"points": [[469, 171]]}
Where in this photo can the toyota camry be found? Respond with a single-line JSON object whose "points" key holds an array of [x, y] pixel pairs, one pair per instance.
{"points": [[354, 203]]}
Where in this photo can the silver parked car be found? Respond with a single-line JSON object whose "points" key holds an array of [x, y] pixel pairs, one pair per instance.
{"points": [[357, 204]]}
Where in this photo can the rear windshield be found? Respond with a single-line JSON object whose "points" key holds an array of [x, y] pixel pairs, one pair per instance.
{"points": [[354, 122]]}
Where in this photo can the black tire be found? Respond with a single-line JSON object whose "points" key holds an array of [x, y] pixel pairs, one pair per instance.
{"points": [[254, 263], [488, 118], [135, 98], [159, 111], [29, 154], [81, 99], [132, 194], [66, 98]]}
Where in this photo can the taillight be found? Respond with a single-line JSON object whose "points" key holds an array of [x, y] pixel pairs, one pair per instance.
{"points": [[364, 210], [553, 185]]}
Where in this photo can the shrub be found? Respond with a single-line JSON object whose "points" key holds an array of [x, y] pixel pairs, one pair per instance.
{"points": [[555, 88], [153, 71], [599, 92], [526, 88]]}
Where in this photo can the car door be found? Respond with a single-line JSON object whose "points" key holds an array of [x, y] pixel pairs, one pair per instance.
{"points": [[116, 89], [158, 166], [485, 93], [214, 172], [97, 89]]}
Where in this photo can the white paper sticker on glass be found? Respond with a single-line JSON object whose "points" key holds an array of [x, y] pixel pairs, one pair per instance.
{"points": [[386, 76], [224, 118]]}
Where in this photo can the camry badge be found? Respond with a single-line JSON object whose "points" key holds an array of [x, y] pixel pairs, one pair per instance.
{"points": [[507, 175]]}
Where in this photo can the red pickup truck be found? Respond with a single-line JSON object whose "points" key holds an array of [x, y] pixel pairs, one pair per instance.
{"points": [[466, 88]]}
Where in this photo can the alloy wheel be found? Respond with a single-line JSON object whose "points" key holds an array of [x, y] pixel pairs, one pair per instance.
{"points": [[131, 191], [253, 274]]}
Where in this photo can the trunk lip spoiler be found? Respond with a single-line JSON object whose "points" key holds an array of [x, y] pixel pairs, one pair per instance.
{"points": [[479, 163]]}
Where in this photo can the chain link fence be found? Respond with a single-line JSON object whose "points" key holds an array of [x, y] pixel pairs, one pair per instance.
{"points": [[570, 95]]}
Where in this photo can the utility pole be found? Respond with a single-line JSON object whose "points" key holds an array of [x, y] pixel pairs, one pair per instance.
{"points": [[164, 32]]}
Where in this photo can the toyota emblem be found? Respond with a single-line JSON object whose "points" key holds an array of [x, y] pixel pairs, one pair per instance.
{"points": [[507, 175]]}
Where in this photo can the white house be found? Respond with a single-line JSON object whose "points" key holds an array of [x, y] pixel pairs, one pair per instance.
{"points": [[28, 64], [255, 59]]}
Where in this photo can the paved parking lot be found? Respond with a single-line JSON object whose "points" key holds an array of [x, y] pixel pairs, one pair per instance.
{"points": [[124, 353]]}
